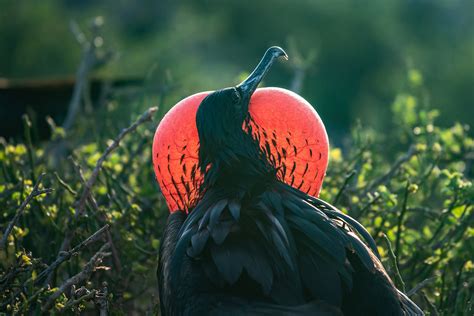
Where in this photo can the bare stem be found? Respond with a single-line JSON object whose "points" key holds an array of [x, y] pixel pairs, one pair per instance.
{"points": [[79, 277], [393, 259], [64, 184], [420, 285], [66, 255]]}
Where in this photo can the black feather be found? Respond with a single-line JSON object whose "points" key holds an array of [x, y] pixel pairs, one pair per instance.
{"points": [[198, 241], [228, 261], [220, 231], [216, 212], [234, 208]]}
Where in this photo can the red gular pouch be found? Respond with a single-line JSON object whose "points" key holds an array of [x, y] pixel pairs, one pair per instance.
{"points": [[287, 127]]}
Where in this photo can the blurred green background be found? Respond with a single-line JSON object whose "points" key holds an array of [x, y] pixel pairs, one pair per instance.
{"points": [[360, 52]]}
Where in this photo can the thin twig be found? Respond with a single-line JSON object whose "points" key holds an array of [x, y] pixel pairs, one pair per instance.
{"points": [[100, 215], [102, 219], [442, 218], [115, 254], [421, 285], [393, 259], [71, 303], [433, 310], [147, 252], [458, 230], [78, 169], [389, 175], [86, 192], [64, 184], [367, 206], [90, 182], [13, 271], [400, 219], [34, 193], [344, 185], [66, 255], [90, 199], [79, 277]]}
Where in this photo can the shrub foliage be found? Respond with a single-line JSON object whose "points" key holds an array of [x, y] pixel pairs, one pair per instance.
{"points": [[71, 249]]}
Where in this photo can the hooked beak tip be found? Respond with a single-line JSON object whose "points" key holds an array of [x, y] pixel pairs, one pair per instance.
{"points": [[278, 52]]}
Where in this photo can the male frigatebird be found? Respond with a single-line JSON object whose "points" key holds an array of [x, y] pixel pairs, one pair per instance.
{"points": [[240, 169]]}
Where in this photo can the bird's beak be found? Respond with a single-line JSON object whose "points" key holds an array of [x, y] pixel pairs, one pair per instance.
{"points": [[249, 85]]}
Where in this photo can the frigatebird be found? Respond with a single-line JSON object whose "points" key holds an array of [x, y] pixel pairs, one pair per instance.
{"points": [[241, 170]]}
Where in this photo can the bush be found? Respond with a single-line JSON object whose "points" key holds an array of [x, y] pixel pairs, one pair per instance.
{"points": [[409, 183]]}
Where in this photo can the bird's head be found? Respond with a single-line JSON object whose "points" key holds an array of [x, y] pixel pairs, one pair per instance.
{"points": [[283, 124], [221, 115]]}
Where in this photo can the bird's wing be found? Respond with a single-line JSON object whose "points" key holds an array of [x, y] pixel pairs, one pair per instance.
{"points": [[167, 245], [323, 243], [354, 227], [335, 214]]}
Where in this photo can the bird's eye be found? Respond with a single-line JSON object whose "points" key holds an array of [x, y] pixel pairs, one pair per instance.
{"points": [[235, 96]]}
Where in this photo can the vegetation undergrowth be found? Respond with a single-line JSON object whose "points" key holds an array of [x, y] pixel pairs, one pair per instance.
{"points": [[409, 184]]}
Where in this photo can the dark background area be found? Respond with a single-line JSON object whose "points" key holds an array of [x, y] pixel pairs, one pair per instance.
{"points": [[363, 50]]}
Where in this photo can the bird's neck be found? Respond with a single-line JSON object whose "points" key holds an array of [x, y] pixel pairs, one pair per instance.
{"points": [[237, 163]]}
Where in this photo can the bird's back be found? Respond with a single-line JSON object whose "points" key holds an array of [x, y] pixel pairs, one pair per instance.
{"points": [[276, 251]]}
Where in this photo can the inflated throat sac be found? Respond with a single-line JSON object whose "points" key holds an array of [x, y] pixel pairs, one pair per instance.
{"points": [[287, 127]]}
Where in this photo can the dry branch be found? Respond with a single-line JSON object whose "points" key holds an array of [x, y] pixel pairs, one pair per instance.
{"points": [[91, 181], [420, 285], [90, 60], [74, 302], [93, 203], [86, 192], [101, 300], [66, 255], [78, 278]]}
